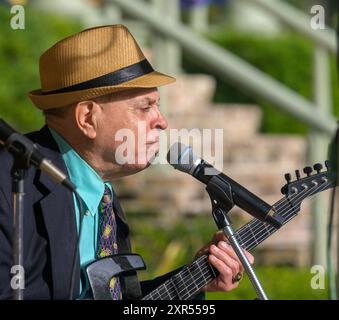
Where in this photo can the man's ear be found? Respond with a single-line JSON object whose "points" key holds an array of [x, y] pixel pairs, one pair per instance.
{"points": [[86, 116]]}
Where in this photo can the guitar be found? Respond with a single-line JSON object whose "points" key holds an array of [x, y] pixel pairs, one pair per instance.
{"points": [[185, 284]]}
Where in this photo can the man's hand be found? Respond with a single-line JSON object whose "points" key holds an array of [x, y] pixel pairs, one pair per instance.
{"points": [[225, 260]]}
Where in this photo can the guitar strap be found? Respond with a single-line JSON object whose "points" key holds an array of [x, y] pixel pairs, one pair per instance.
{"points": [[130, 284]]}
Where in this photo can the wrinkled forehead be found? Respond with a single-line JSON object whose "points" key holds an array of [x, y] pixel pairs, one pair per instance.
{"points": [[139, 95]]}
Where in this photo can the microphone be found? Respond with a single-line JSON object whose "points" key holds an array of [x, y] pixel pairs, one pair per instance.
{"points": [[182, 158], [21, 147]]}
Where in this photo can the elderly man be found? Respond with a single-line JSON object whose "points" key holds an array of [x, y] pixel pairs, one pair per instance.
{"points": [[93, 84]]}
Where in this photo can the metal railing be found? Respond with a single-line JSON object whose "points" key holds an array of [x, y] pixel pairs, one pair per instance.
{"points": [[297, 20]]}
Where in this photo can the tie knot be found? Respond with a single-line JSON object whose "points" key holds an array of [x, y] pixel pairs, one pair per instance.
{"points": [[107, 198]]}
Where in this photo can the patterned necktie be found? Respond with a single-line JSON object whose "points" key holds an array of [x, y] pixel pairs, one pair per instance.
{"points": [[107, 238]]}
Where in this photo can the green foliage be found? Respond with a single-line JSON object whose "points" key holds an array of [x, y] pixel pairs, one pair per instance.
{"points": [[19, 63], [154, 239], [279, 283], [288, 58]]}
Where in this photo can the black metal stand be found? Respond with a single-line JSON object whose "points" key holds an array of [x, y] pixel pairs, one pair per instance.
{"points": [[222, 203], [22, 151], [18, 173]]}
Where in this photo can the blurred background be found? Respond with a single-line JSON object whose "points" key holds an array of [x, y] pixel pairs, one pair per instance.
{"points": [[254, 68]]}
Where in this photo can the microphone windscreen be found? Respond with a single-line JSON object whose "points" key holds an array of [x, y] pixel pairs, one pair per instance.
{"points": [[182, 158]]}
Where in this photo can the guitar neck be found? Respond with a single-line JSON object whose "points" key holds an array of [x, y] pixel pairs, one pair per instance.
{"points": [[186, 283]]}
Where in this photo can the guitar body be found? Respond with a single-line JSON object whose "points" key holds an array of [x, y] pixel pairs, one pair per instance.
{"points": [[100, 272]]}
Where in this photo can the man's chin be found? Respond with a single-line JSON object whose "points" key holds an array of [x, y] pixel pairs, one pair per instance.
{"points": [[143, 163], [133, 169]]}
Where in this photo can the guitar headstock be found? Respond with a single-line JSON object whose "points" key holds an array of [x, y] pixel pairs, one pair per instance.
{"points": [[315, 180]]}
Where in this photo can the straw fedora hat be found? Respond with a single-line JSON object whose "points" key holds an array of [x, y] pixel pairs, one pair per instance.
{"points": [[92, 63]]}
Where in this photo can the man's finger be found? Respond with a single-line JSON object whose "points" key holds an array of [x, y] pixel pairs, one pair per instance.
{"points": [[249, 257], [219, 236], [225, 274], [225, 245], [229, 251], [227, 259]]}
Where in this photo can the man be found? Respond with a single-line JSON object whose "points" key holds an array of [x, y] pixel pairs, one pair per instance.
{"points": [[93, 84]]}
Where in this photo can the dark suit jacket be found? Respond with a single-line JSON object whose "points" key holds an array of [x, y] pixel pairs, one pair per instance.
{"points": [[49, 230]]}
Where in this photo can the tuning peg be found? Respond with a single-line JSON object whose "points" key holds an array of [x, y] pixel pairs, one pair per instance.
{"points": [[297, 174], [318, 167], [327, 164], [288, 177], [308, 171]]}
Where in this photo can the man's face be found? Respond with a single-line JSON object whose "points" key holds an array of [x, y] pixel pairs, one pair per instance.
{"points": [[128, 132]]}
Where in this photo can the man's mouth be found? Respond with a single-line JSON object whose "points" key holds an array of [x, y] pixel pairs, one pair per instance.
{"points": [[152, 142]]}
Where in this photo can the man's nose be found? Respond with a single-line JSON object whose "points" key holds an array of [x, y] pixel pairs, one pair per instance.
{"points": [[161, 121]]}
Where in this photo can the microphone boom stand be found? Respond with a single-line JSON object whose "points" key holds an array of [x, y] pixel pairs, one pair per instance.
{"points": [[222, 203], [23, 152], [18, 174]]}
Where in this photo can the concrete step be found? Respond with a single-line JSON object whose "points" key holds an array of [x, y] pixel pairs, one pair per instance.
{"points": [[266, 149], [191, 94], [238, 121]]}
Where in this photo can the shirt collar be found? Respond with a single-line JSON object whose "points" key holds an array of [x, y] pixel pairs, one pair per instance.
{"points": [[89, 184]]}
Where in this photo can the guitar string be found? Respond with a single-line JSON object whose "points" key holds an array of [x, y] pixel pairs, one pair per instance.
{"points": [[259, 228], [258, 222], [283, 199], [279, 202], [179, 278], [182, 283], [297, 194], [206, 267]]}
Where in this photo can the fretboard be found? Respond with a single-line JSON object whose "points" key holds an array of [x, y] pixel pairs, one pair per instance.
{"points": [[186, 283]]}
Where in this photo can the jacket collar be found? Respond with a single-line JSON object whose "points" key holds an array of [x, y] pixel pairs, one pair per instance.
{"points": [[48, 146]]}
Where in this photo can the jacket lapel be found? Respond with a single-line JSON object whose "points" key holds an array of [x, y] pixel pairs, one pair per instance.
{"points": [[58, 211], [120, 215]]}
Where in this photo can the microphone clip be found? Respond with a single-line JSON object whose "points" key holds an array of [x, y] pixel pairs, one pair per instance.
{"points": [[21, 148], [220, 193]]}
